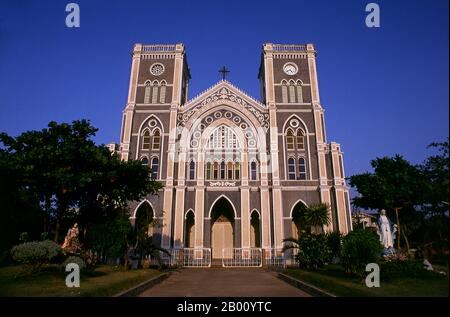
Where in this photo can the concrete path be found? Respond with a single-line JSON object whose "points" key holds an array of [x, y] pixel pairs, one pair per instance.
{"points": [[223, 282]]}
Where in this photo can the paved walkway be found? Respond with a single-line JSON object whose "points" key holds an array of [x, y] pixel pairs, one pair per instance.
{"points": [[223, 282]]}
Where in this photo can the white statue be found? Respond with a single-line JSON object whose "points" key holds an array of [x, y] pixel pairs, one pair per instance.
{"points": [[386, 231]]}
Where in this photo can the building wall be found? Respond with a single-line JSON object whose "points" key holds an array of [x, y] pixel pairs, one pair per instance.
{"points": [[273, 195]]}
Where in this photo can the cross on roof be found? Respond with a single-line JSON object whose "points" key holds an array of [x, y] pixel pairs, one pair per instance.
{"points": [[224, 72]]}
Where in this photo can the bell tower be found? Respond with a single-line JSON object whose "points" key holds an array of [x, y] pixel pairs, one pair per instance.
{"points": [[158, 87]]}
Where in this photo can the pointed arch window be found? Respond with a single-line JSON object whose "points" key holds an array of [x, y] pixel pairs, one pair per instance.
{"points": [[155, 93], [237, 170], [230, 170], [146, 140], [147, 92], [290, 140], [284, 92], [208, 170], [222, 170], [299, 93], [291, 169], [155, 167], [192, 170], [216, 170], [292, 93], [156, 144], [144, 161], [301, 169], [162, 93], [253, 171], [300, 140]]}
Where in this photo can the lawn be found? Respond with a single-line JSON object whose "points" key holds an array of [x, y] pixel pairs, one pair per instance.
{"points": [[334, 280], [104, 281]]}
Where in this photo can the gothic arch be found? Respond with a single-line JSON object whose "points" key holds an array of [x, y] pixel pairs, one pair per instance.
{"points": [[245, 114], [295, 204], [139, 205], [299, 119], [216, 200]]}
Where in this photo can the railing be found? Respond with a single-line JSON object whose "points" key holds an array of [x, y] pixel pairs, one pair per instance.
{"points": [[275, 258], [289, 48], [242, 257], [158, 48], [192, 257]]}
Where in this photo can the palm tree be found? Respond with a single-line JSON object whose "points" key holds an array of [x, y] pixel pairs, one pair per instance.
{"points": [[317, 215]]}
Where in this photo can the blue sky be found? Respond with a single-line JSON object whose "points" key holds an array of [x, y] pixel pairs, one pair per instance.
{"points": [[385, 91]]}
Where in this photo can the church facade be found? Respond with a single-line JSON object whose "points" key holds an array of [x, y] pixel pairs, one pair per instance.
{"points": [[235, 170]]}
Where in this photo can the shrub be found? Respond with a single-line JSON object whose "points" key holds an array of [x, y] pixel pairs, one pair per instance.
{"points": [[359, 248], [75, 259], [401, 269], [334, 242], [23, 237], [34, 254], [313, 250]]}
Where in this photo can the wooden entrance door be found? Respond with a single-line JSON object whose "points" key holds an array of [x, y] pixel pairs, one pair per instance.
{"points": [[222, 237]]}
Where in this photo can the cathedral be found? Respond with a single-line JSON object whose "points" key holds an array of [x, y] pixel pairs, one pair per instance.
{"points": [[235, 169]]}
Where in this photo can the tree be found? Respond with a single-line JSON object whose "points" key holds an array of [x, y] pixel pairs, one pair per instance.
{"points": [[317, 215], [71, 177], [436, 170], [395, 183]]}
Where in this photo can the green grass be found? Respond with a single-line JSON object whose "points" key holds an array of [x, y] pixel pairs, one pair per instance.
{"points": [[334, 280], [104, 281]]}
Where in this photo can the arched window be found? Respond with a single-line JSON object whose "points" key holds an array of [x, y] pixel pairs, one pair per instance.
{"points": [[222, 137], [292, 93], [216, 170], [208, 170], [290, 140], [222, 170], [253, 171], [147, 92], [291, 168], [301, 169], [144, 161], [146, 140], [156, 144], [237, 170], [155, 166], [284, 92], [192, 169], [155, 92], [230, 170], [162, 93], [299, 93], [300, 140]]}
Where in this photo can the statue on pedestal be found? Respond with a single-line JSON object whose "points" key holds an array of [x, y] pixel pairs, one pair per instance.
{"points": [[386, 231]]}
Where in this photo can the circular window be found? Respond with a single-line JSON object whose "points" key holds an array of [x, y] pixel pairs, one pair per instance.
{"points": [[290, 68], [157, 69], [152, 123]]}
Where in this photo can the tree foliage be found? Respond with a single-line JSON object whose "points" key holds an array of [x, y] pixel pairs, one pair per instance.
{"points": [[420, 191], [61, 170]]}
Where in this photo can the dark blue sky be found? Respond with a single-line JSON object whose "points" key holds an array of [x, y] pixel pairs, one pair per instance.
{"points": [[385, 91]]}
